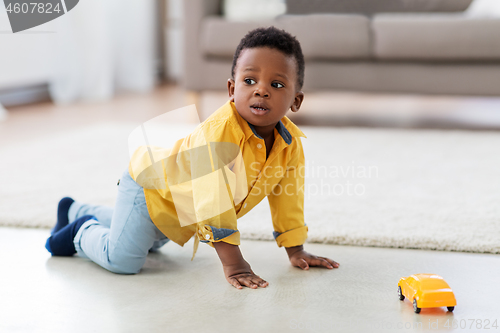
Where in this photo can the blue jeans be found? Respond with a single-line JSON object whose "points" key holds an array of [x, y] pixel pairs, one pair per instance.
{"points": [[121, 238]]}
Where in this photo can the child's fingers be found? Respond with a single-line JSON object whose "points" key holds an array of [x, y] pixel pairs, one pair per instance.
{"points": [[333, 263], [312, 260], [251, 281], [247, 281], [261, 283], [303, 264], [320, 261], [235, 283]]}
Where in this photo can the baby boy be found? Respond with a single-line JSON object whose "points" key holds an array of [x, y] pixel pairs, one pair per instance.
{"points": [[267, 78]]}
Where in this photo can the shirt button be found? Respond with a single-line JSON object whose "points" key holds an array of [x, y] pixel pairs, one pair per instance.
{"points": [[259, 145], [245, 206], [207, 236]]}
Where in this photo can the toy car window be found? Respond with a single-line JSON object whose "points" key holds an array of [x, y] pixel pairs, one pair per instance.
{"points": [[436, 284]]}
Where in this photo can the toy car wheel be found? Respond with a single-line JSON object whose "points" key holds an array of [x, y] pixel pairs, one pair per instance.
{"points": [[415, 307], [400, 294], [451, 308]]}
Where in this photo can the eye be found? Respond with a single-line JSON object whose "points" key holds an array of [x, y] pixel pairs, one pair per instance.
{"points": [[249, 81], [277, 85]]}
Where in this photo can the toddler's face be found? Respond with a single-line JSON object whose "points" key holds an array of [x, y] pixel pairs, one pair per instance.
{"points": [[264, 86]]}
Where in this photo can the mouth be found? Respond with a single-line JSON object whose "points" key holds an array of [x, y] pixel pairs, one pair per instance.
{"points": [[259, 109]]}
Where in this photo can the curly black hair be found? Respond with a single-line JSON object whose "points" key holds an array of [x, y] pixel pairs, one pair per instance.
{"points": [[274, 38]]}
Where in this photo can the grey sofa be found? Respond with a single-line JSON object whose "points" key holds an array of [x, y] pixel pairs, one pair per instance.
{"points": [[427, 53]]}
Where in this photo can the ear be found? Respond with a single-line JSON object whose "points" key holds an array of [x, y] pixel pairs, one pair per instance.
{"points": [[297, 101], [230, 89]]}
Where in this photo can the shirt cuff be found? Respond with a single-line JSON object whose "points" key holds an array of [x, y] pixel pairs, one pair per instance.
{"points": [[294, 237], [209, 234]]}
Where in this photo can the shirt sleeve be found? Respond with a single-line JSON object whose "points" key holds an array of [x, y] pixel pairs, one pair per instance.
{"points": [[287, 201], [214, 190]]}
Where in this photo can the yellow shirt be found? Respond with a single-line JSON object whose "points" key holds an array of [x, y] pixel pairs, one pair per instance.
{"points": [[243, 179]]}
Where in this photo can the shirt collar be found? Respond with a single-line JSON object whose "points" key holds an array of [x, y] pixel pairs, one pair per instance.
{"points": [[287, 137], [285, 127]]}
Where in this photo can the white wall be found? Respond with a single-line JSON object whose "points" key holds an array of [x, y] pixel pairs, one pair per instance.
{"points": [[98, 49], [173, 39], [24, 56]]}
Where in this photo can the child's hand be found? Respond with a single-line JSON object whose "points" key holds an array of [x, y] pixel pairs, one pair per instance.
{"points": [[237, 271], [242, 275], [300, 258]]}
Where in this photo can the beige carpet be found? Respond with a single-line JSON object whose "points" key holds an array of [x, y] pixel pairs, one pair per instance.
{"points": [[373, 187]]}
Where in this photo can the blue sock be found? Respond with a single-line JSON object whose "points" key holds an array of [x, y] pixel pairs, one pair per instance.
{"points": [[61, 242], [62, 214]]}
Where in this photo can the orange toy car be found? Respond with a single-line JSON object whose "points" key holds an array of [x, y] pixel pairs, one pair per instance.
{"points": [[426, 291]]}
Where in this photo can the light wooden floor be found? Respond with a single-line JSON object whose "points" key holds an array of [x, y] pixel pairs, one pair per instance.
{"points": [[174, 294], [30, 121], [319, 108]]}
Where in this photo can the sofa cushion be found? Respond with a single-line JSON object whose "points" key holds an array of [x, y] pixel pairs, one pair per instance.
{"points": [[220, 37], [374, 6], [435, 37], [328, 36], [254, 10]]}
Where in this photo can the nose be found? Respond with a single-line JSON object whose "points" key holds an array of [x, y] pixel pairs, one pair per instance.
{"points": [[261, 91]]}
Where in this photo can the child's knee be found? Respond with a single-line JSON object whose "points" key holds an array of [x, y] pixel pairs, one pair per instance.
{"points": [[125, 270], [123, 264]]}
